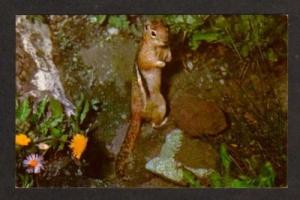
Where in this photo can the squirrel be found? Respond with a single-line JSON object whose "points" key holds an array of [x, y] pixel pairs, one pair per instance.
{"points": [[147, 102]]}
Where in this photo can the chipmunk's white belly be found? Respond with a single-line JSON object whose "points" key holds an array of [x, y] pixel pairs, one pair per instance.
{"points": [[153, 79]]}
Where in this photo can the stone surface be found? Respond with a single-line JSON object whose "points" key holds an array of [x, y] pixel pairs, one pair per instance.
{"points": [[180, 153], [197, 117], [195, 153]]}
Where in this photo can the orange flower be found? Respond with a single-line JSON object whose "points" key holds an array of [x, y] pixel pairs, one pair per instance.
{"points": [[78, 145], [22, 139]]}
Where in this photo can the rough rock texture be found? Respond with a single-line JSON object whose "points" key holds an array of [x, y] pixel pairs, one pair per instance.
{"points": [[197, 117], [25, 67], [195, 153]]}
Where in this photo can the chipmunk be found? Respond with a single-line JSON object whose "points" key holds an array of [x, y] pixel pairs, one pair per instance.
{"points": [[147, 102]]}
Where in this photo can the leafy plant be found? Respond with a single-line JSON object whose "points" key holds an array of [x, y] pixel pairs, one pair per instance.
{"points": [[247, 35], [26, 180], [23, 111], [47, 128], [191, 179], [265, 178], [119, 22]]}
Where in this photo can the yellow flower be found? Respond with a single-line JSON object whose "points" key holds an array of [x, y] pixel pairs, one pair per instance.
{"points": [[22, 139], [78, 145]]}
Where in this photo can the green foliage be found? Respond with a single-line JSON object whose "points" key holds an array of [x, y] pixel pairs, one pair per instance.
{"points": [[36, 18], [225, 159], [185, 23], [41, 108], [48, 121], [197, 37], [82, 108], [191, 179], [247, 35], [56, 108], [119, 22], [45, 122], [265, 178], [26, 180], [23, 111]]}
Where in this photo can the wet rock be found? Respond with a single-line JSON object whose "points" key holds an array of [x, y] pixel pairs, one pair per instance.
{"points": [[197, 117]]}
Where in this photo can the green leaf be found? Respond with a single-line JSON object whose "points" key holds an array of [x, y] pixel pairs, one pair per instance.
{"points": [[190, 178], [23, 110], [272, 56], [119, 22], [208, 37], [26, 181], [63, 139], [225, 159], [43, 128], [220, 22], [84, 112], [237, 183], [79, 104], [197, 37], [56, 108], [50, 123], [56, 132], [215, 179], [41, 107], [267, 176], [190, 19], [55, 121], [245, 50]]}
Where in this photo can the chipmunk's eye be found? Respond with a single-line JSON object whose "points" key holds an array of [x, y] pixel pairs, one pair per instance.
{"points": [[153, 33]]}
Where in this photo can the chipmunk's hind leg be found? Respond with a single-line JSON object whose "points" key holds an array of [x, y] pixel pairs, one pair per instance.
{"points": [[158, 116]]}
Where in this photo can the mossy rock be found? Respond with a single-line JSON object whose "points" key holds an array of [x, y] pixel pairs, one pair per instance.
{"points": [[196, 154]]}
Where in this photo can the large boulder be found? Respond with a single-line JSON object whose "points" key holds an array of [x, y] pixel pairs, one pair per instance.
{"points": [[197, 117]]}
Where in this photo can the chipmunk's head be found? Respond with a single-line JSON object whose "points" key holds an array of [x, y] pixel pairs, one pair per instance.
{"points": [[156, 32]]}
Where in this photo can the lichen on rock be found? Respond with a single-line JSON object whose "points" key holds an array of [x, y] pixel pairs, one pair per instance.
{"points": [[167, 165]]}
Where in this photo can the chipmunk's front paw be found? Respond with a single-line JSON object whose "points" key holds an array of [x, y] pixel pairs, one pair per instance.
{"points": [[160, 64], [161, 124]]}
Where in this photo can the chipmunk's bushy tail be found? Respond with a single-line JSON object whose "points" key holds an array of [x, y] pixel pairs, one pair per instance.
{"points": [[132, 132]]}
